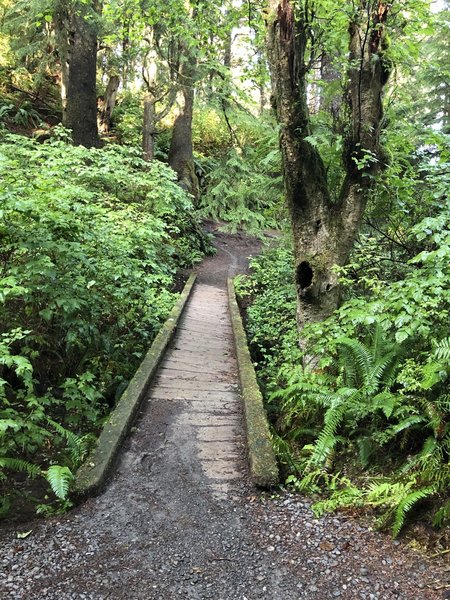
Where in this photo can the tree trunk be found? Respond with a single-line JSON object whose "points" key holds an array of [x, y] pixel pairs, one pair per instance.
{"points": [[78, 49], [150, 76], [107, 103], [64, 86], [323, 231], [261, 83], [149, 127], [181, 157]]}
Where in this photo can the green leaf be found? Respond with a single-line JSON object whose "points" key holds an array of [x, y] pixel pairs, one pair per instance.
{"points": [[401, 336], [60, 479]]}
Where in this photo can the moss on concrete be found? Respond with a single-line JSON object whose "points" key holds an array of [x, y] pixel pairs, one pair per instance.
{"points": [[263, 465], [92, 475]]}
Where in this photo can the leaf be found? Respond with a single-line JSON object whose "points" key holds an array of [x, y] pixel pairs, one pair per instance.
{"points": [[401, 336], [406, 504], [24, 535], [46, 314], [17, 464], [6, 424], [59, 478]]}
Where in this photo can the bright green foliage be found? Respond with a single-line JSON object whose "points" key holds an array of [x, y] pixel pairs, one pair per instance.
{"points": [[379, 391], [59, 479], [244, 187], [210, 134], [90, 242], [271, 313]]}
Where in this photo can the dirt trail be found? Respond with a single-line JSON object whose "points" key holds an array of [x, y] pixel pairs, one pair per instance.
{"points": [[179, 518]]}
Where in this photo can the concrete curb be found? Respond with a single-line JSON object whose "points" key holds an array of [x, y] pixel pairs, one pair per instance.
{"points": [[263, 465], [93, 473]]}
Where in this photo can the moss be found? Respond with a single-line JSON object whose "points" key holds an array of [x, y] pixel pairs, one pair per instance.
{"points": [[263, 466]]}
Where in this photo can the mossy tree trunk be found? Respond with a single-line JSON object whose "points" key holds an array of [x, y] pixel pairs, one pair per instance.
{"points": [[324, 230], [181, 157], [107, 103]]}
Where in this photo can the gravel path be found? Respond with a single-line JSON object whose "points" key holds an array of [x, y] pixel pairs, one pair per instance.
{"points": [[171, 525]]}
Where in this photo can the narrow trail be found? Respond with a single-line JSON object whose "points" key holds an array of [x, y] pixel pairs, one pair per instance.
{"points": [[200, 373], [179, 518]]}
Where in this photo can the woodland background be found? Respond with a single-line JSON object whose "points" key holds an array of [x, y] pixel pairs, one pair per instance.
{"points": [[124, 123]]}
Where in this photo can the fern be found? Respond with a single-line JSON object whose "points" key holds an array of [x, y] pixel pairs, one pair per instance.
{"points": [[442, 516], [17, 464], [327, 438], [406, 504], [442, 350], [77, 445], [59, 479]]}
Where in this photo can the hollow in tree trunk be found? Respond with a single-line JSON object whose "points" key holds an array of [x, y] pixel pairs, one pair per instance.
{"points": [[324, 230]]}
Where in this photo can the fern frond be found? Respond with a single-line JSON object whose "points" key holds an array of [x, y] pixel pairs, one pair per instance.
{"points": [[356, 353], [59, 479], [310, 482], [442, 350], [366, 449], [406, 505], [77, 445], [406, 424], [327, 438], [385, 370], [378, 341], [442, 516], [17, 464]]}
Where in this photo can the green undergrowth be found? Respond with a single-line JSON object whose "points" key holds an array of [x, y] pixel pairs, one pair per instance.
{"points": [[238, 163], [240, 169], [369, 427], [91, 242]]}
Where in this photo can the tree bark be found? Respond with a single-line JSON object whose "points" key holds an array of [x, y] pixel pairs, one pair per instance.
{"points": [[149, 127], [150, 76], [181, 157], [107, 103], [324, 231], [78, 48]]}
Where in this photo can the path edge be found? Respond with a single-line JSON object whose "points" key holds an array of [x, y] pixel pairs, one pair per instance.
{"points": [[93, 473], [263, 464]]}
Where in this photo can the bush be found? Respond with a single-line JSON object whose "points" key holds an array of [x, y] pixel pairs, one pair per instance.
{"points": [[371, 425], [90, 243], [244, 186]]}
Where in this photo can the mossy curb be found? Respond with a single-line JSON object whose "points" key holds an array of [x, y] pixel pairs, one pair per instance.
{"points": [[93, 473], [263, 465]]}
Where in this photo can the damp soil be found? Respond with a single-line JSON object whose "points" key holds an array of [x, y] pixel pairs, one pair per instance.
{"points": [[159, 532]]}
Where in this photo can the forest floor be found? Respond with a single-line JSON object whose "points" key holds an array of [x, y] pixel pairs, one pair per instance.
{"points": [[180, 519]]}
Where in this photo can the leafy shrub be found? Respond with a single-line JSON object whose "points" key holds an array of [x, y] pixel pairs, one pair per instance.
{"points": [[128, 118], [127, 125], [210, 134], [90, 243], [371, 425]]}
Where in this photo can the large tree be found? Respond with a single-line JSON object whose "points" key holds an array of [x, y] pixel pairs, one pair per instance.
{"points": [[325, 223], [181, 157], [76, 24]]}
